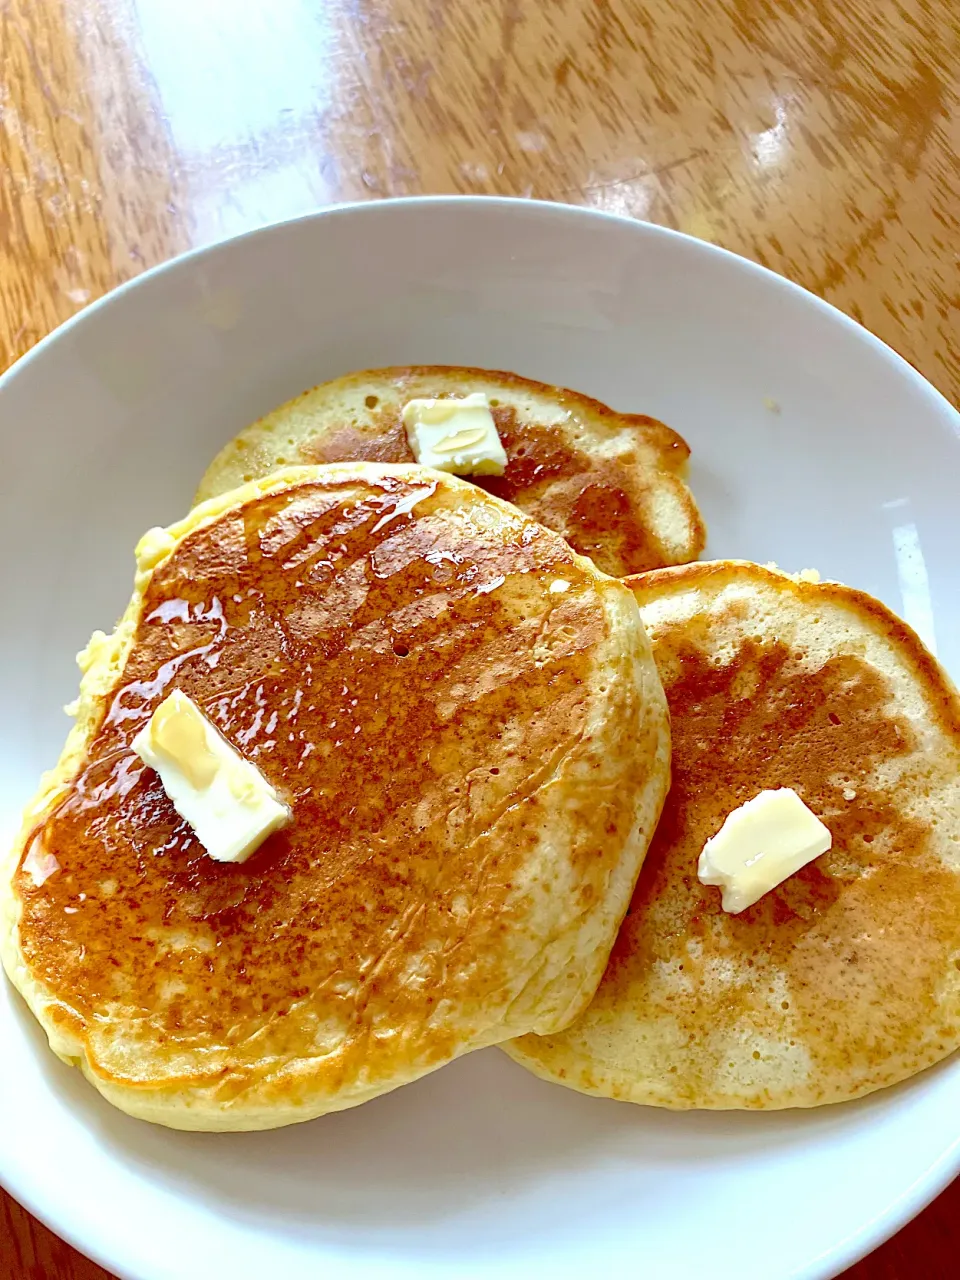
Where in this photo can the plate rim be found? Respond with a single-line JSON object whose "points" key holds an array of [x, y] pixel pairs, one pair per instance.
{"points": [[913, 1199], [514, 205]]}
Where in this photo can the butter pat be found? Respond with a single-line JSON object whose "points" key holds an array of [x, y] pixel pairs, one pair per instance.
{"points": [[227, 801], [459, 436], [760, 845]]}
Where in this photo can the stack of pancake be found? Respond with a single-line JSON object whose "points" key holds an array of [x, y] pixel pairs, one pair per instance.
{"points": [[466, 694]]}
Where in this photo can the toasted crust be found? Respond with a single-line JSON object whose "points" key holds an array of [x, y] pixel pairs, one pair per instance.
{"points": [[846, 978], [611, 483], [475, 765]]}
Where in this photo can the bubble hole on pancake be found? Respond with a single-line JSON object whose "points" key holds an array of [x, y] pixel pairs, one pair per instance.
{"points": [[467, 722], [845, 978], [611, 483]]}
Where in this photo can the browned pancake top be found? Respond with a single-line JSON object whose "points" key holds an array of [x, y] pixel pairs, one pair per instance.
{"points": [[601, 503], [844, 978], [396, 665], [860, 933]]}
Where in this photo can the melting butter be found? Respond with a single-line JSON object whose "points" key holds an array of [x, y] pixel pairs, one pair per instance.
{"points": [[227, 801], [455, 435], [760, 845]]}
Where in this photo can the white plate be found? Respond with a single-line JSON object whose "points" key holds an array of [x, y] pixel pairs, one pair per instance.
{"points": [[813, 444]]}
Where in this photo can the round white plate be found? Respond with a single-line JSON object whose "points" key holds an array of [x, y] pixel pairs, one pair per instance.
{"points": [[813, 445]]}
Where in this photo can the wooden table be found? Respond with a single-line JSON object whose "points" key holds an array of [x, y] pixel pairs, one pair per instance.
{"points": [[820, 138]]}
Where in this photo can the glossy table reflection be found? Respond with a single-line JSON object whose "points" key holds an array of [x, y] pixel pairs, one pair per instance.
{"points": [[820, 139]]}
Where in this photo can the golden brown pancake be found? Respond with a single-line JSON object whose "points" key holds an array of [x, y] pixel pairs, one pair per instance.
{"points": [[844, 979], [467, 723], [610, 483]]}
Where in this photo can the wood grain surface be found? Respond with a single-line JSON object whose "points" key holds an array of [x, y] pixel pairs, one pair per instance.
{"points": [[820, 138]]}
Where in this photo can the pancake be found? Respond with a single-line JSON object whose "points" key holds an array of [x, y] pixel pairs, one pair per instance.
{"points": [[610, 483], [844, 979], [466, 721]]}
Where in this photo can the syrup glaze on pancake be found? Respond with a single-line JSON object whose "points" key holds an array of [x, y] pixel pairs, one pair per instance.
{"points": [[845, 977], [610, 483], [384, 645], [596, 503]]}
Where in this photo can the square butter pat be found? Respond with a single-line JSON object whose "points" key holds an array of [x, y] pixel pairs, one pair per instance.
{"points": [[227, 801], [459, 436], [759, 845]]}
